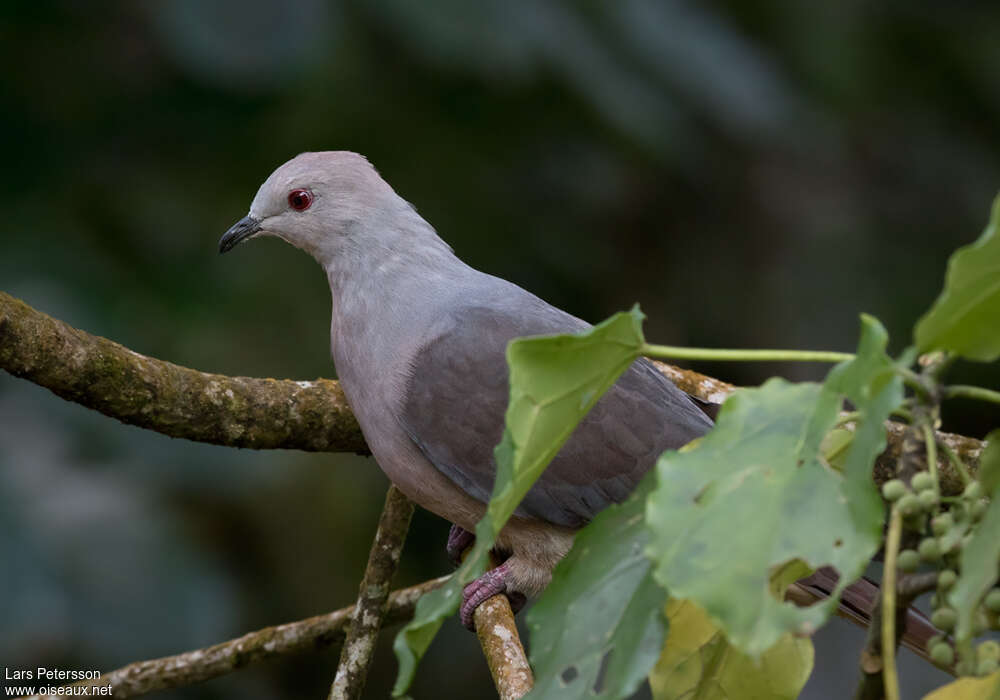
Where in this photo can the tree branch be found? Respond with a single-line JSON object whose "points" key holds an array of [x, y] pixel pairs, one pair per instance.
{"points": [[202, 664], [262, 413], [173, 400], [370, 608], [502, 648]]}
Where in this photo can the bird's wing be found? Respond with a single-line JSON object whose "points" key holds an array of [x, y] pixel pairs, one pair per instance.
{"points": [[457, 393]]}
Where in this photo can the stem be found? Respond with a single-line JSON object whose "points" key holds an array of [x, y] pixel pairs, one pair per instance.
{"points": [[956, 461], [714, 354], [890, 678], [903, 413], [915, 382], [931, 443], [964, 391]]}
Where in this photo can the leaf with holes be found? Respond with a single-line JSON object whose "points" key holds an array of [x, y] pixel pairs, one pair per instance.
{"points": [[698, 662], [597, 630], [965, 318], [554, 382], [728, 513]]}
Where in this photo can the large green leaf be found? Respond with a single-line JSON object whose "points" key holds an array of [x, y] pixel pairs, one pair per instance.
{"points": [[965, 318], [554, 382], [729, 513], [602, 600], [698, 662]]}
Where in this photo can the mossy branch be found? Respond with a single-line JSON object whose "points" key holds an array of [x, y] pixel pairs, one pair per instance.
{"points": [[263, 413], [173, 400]]}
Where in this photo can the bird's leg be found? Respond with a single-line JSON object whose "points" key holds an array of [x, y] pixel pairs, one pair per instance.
{"points": [[459, 539], [493, 582]]}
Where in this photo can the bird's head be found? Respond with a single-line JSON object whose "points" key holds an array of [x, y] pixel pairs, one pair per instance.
{"points": [[315, 201]]}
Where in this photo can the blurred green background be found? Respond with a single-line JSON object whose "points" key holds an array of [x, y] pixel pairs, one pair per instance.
{"points": [[754, 174]]}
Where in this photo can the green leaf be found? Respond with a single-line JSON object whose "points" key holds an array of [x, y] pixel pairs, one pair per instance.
{"points": [[602, 600], [698, 662], [873, 385], [965, 318], [987, 688], [554, 382], [989, 463], [729, 512], [979, 573]]}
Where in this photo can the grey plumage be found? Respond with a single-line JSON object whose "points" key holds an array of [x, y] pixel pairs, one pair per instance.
{"points": [[418, 339], [455, 398]]}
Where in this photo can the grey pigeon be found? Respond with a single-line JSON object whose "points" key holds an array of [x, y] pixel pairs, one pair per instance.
{"points": [[418, 339]]}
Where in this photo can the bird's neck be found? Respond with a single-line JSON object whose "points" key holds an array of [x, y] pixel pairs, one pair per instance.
{"points": [[386, 287]]}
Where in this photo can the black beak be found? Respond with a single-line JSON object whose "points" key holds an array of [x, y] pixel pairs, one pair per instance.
{"points": [[240, 231]]}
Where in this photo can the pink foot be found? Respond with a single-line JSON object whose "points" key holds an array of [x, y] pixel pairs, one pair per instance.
{"points": [[493, 582], [459, 540]]}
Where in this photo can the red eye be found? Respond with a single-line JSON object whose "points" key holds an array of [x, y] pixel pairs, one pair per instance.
{"points": [[300, 200]]}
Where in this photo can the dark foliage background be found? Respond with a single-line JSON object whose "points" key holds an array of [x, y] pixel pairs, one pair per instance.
{"points": [[754, 174]]}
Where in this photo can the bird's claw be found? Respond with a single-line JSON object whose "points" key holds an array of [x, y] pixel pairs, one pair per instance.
{"points": [[493, 582], [459, 539]]}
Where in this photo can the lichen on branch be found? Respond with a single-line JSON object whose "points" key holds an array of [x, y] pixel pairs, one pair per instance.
{"points": [[170, 399]]}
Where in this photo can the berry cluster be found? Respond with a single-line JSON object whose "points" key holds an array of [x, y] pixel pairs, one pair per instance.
{"points": [[938, 532]]}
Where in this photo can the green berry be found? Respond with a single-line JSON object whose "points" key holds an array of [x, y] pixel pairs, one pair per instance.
{"points": [[929, 549], [934, 641], [980, 623], [992, 601], [943, 654], [942, 523], [909, 505], [944, 619], [986, 667], [965, 668], [908, 560], [990, 649], [893, 490], [978, 510], [928, 499], [973, 491], [922, 481], [946, 579]]}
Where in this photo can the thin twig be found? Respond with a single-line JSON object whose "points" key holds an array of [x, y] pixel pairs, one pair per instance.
{"points": [[202, 664], [370, 608]]}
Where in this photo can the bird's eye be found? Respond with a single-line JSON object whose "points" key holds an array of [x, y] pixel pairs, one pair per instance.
{"points": [[300, 200]]}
